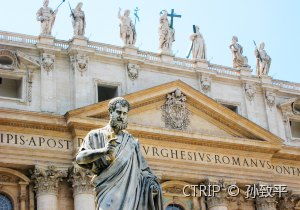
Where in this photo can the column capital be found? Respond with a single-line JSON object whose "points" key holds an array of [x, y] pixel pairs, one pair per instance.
{"points": [[81, 180], [268, 203], [288, 201], [46, 179], [220, 198]]}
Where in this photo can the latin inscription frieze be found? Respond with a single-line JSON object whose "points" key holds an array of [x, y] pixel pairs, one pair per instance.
{"points": [[218, 159], [35, 141]]}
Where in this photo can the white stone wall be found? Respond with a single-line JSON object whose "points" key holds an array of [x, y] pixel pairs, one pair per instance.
{"points": [[64, 89]]}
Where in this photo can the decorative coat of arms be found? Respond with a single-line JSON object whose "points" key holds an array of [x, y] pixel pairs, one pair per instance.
{"points": [[48, 62], [80, 62], [133, 70], [174, 112]]}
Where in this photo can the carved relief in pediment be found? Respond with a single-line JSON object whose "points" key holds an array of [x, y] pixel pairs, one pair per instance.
{"points": [[174, 111]]}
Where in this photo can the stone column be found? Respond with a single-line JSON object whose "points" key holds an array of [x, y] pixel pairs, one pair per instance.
{"points": [[271, 110], [84, 198], [48, 83], [23, 195], [268, 203], [46, 186], [249, 94], [218, 201], [81, 81]]}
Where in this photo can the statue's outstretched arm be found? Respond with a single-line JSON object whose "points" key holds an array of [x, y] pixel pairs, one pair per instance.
{"points": [[91, 155]]}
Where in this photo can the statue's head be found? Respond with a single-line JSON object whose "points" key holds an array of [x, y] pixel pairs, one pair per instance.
{"points": [[46, 3], [127, 12], [197, 28], [262, 46], [118, 110], [79, 6], [235, 39], [163, 16]]}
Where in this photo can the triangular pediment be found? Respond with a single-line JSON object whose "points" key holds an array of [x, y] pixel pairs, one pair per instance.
{"points": [[206, 116]]}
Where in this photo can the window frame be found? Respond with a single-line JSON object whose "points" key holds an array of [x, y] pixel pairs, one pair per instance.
{"points": [[99, 82], [15, 76]]}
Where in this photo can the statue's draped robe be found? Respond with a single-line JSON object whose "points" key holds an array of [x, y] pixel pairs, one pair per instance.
{"points": [[127, 183], [199, 48]]}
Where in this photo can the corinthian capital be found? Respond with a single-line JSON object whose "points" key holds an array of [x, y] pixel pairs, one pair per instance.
{"points": [[46, 179], [81, 180], [266, 203]]}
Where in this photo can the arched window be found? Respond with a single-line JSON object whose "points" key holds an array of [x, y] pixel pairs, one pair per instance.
{"points": [[5, 202], [174, 207]]}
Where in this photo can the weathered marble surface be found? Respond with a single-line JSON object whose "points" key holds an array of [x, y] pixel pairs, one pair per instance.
{"points": [[122, 178]]}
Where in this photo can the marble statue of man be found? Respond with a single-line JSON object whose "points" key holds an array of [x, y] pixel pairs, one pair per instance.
{"points": [[198, 45], [127, 28], [78, 20], [122, 178], [263, 60], [166, 33], [47, 18], [239, 60]]}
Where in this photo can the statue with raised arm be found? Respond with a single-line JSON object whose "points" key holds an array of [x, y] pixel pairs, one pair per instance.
{"points": [[127, 28], [263, 60], [166, 33], [239, 61], [47, 18], [78, 20], [122, 177], [198, 45]]}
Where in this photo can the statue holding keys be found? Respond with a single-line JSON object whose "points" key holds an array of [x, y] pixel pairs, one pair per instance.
{"points": [[122, 177]]}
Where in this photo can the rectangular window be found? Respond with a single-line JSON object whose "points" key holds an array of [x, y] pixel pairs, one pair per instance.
{"points": [[295, 128], [231, 107], [106, 92], [10, 88]]}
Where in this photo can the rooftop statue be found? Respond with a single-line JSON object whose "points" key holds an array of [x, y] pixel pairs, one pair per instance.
{"points": [[122, 178], [127, 28], [166, 34], [263, 60], [198, 45], [78, 20], [239, 61], [47, 18]]}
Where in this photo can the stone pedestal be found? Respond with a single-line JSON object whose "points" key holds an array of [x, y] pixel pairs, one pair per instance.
{"points": [[84, 198], [266, 79], [201, 63], [80, 41], [131, 50], [166, 57], [46, 185], [46, 40], [245, 71]]}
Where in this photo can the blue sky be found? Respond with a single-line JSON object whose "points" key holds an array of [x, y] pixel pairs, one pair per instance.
{"points": [[276, 22]]}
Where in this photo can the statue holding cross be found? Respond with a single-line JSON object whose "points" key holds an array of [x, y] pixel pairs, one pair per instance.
{"points": [[166, 32]]}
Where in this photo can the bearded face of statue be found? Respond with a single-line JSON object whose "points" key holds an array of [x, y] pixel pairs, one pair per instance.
{"points": [[118, 117]]}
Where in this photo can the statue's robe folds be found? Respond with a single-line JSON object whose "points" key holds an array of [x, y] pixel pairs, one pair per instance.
{"points": [[126, 183]]}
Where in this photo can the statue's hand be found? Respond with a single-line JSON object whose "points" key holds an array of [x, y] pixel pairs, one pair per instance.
{"points": [[154, 191]]}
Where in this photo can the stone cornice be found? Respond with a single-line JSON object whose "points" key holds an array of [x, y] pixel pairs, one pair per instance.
{"points": [[35, 120]]}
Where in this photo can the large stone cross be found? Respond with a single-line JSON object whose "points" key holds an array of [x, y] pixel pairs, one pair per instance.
{"points": [[172, 15]]}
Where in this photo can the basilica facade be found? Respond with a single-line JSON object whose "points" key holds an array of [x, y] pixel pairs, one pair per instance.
{"points": [[199, 124]]}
